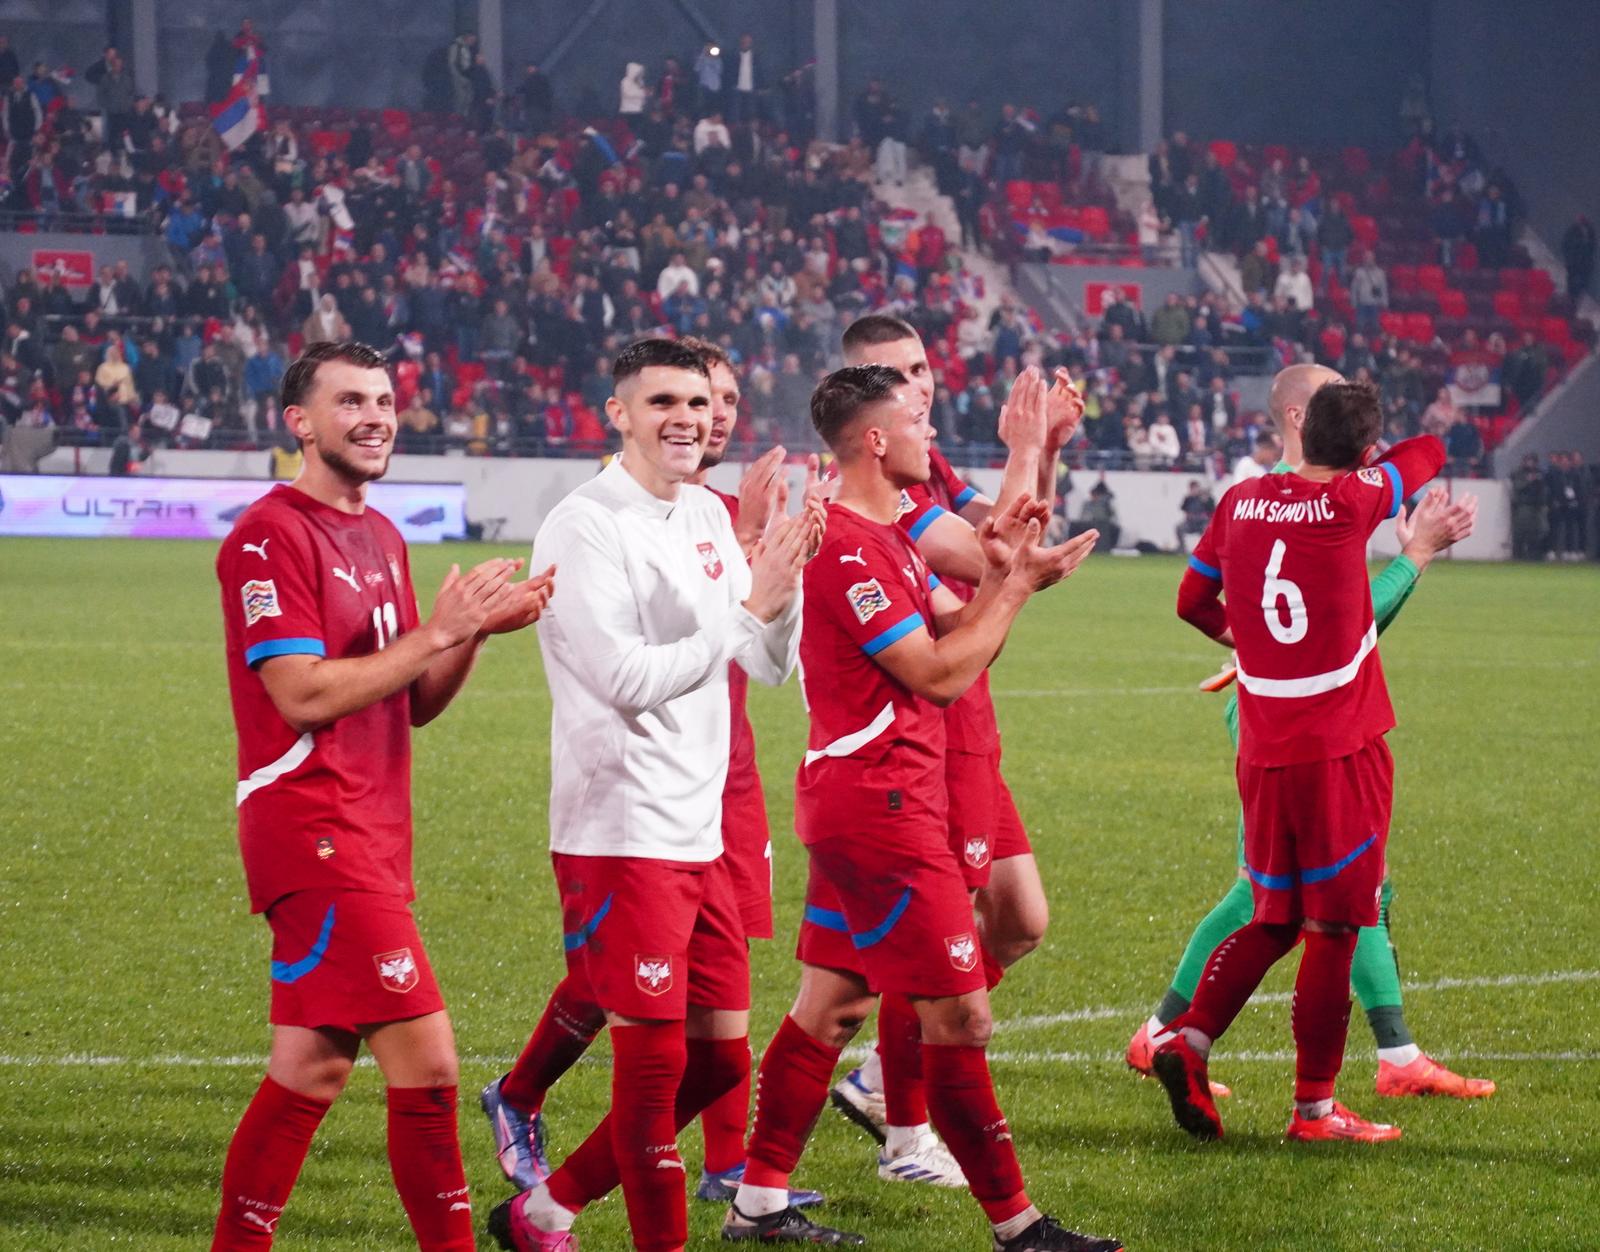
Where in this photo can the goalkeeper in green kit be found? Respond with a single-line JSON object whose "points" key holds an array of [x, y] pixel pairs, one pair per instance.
{"points": [[1403, 1068]]}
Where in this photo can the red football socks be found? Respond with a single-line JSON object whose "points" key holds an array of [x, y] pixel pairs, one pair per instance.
{"points": [[961, 1100], [1233, 973], [425, 1159], [791, 1089], [571, 1021], [1321, 1012], [900, 1046], [715, 1067], [263, 1162], [723, 1121]]}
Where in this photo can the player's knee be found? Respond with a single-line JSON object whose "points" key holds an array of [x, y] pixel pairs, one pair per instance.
{"points": [[1329, 928], [320, 1079]]}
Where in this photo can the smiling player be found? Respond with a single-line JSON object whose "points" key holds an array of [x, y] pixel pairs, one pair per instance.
{"points": [[330, 666], [657, 599]]}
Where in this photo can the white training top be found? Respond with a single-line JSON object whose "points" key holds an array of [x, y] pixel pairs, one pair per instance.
{"points": [[646, 615]]}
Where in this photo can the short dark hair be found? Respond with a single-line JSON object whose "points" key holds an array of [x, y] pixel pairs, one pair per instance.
{"points": [[709, 353], [302, 372], [844, 393], [876, 328], [641, 354], [1342, 421]]}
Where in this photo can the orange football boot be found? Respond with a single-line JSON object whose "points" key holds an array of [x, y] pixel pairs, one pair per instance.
{"points": [[1339, 1124], [1426, 1077]]}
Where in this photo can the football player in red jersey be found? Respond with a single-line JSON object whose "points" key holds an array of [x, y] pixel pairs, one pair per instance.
{"points": [[884, 648], [987, 836], [330, 666], [1315, 776], [572, 1019]]}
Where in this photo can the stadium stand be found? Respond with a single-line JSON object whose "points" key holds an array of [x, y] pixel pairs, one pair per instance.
{"points": [[502, 263]]}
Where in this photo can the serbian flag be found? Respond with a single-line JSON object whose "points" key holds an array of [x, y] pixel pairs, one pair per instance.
{"points": [[51, 90], [239, 114]]}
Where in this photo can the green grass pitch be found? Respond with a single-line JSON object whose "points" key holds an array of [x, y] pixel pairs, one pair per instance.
{"points": [[132, 1001]]}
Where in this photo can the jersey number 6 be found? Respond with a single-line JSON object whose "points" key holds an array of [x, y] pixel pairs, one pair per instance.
{"points": [[1275, 589]]}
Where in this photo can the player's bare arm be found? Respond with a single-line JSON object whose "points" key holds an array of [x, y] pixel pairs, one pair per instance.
{"points": [[520, 607], [310, 692], [1435, 524], [778, 562], [762, 495], [941, 669]]}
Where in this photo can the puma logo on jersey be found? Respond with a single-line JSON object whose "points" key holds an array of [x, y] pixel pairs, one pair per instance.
{"points": [[845, 558], [348, 576], [260, 549]]}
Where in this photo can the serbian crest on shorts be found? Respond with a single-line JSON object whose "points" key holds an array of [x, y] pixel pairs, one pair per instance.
{"points": [[963, 950], [976, 851], [397, 970], [710, 559], [653, 974]]}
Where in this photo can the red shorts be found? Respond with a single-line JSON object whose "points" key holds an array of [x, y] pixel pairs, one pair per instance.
{"points": [[653, 937], [346, 959], [904, 916], [747, 848], [984, 823], [1315, 836]]}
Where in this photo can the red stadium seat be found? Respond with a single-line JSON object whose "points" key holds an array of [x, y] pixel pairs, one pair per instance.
{"points": [[1514, 278], [1419, 327], [1356, 160], [1540, 281], [1430, 277], [1226, 152], [1507, 303], [1365, 229], [1555, 330], [1019, 195], [1452, 303], [1275, 152], [1048, 194], [1403, 278], [1465, 257], [1096, 222], [1535, 302], [1393, 324]]}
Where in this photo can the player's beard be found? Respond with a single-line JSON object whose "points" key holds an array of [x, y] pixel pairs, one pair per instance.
{"points": [[711, 458], [341, 465]]}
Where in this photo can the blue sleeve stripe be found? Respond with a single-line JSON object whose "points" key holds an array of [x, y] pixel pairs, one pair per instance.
{"points": [[966, 497], [283, 647], [1395, 485], [933, 581], [894, 634], [1200, 567], [922, 523]]}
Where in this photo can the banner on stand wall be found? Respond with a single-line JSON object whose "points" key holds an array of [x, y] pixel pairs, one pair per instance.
{"points": [[196, 508]]}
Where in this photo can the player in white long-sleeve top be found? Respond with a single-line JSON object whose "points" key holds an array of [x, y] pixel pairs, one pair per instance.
{"points": [[656, 599]]}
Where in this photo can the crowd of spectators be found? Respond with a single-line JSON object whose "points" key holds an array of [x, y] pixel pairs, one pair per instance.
{"points": [[503, 256]]}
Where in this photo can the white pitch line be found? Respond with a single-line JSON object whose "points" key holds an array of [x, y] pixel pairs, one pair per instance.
{"points": [[85, 1060], [1283, 997], [80, 1060]]}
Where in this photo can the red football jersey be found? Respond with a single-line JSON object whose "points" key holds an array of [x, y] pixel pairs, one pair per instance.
{"points": [[742, 748], [867, 588], [1290, 555], [330, 807], [970, 723]]}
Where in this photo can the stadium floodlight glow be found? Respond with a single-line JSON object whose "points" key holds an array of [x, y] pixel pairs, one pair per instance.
{"points": [[714, 50]]}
